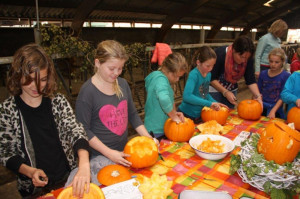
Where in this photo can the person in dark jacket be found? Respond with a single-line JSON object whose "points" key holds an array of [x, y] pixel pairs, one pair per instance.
{"points": [[233, 63]]}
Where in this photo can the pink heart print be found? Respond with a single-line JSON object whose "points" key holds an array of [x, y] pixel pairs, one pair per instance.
{"points": [[115, 118]]}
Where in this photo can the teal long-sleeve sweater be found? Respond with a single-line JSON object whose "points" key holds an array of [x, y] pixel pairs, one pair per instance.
{"points": [[264, 46], [159, 102], [195, 94], [291, 90]]}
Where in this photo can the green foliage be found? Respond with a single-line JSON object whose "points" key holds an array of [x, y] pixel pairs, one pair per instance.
{"points": [[59, 43], [136, 53], [137, 56], [251, 169], [235, 162]]}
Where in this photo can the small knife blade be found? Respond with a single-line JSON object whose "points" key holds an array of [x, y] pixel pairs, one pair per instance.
{"points": [[160, 156]]}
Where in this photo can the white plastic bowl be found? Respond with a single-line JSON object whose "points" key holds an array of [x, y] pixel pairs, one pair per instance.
{"points": [[198, 139]]}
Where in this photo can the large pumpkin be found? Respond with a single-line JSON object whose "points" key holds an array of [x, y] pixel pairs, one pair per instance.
{"points": [[249, 109], [94, 193], [294, 117], [279, 142], [142, 150], [179, 132], [208, 114], [113, 174]]}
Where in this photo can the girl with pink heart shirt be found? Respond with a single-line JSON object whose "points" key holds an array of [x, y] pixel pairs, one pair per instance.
{"points": [[105, 106]]}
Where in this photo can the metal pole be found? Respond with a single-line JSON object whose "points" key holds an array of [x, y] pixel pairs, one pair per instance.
{"points": [[37, 32], [37, 14]]}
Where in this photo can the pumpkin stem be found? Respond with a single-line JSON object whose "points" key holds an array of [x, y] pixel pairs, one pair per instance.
{"points": [[115, 173]]}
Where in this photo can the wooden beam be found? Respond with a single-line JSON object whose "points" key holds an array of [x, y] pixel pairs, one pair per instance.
{"points": [[175, 16], [226, 19], [82, 12], [291, 6]]}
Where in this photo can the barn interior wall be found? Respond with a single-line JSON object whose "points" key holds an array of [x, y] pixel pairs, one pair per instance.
{"points": [[13, 38]]}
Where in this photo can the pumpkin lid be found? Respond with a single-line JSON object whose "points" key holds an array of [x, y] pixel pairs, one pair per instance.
{"points": [[294, 133]]}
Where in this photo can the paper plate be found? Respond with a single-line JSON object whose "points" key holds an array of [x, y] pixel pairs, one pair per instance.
{"points": [[126, 190]]}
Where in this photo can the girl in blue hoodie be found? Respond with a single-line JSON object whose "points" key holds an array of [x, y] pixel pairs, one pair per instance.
{"points": [[160, 95]]}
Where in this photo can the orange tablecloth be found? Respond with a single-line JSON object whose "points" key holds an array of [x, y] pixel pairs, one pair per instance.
{"points": [[189, 171]]}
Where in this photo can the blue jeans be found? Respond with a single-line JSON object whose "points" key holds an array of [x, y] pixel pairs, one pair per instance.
{"points": [[220, 98]]}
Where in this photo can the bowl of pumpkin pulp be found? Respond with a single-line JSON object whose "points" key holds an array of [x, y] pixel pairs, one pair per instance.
{"points": [[211, 147]]}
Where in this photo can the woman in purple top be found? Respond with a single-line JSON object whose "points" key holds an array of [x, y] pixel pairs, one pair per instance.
{"points": [[271, 83]]}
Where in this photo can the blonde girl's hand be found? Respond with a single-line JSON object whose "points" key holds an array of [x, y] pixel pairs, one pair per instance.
{"points": [[215, 106], [230, 97], [81, 181], [119, 158], [39, 178]]}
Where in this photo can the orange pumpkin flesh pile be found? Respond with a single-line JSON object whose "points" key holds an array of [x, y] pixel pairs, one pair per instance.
{"points": [[94, 193], [113, 174], [179, 132], [210, 127], [208, 114], [294, 117], [279, 142], [249, 109], [142, 150]]}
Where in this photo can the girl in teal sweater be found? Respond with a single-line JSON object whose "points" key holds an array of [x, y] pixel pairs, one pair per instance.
{"points": [[196, 95], [160, 95]]}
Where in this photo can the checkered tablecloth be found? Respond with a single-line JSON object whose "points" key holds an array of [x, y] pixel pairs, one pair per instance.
{"points": [[189, 171]]}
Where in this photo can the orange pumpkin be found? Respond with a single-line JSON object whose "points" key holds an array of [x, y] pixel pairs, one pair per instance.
{"points": [[208, 114], [294, 117], [279, 142], [179, 132], [113, 174], [142, 150], [94, 193], [249, 109]]}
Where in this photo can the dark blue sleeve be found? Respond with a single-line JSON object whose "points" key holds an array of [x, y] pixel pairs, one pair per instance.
{"points": [[259, 82], [249, 73], [219, 66]]}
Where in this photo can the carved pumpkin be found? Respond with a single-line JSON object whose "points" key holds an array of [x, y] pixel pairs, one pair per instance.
{"points": [[249, 109], [94, 193], [179, 132], [113, 174], [279, 142], [142, 150], [208, 114], [294, 117]]}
